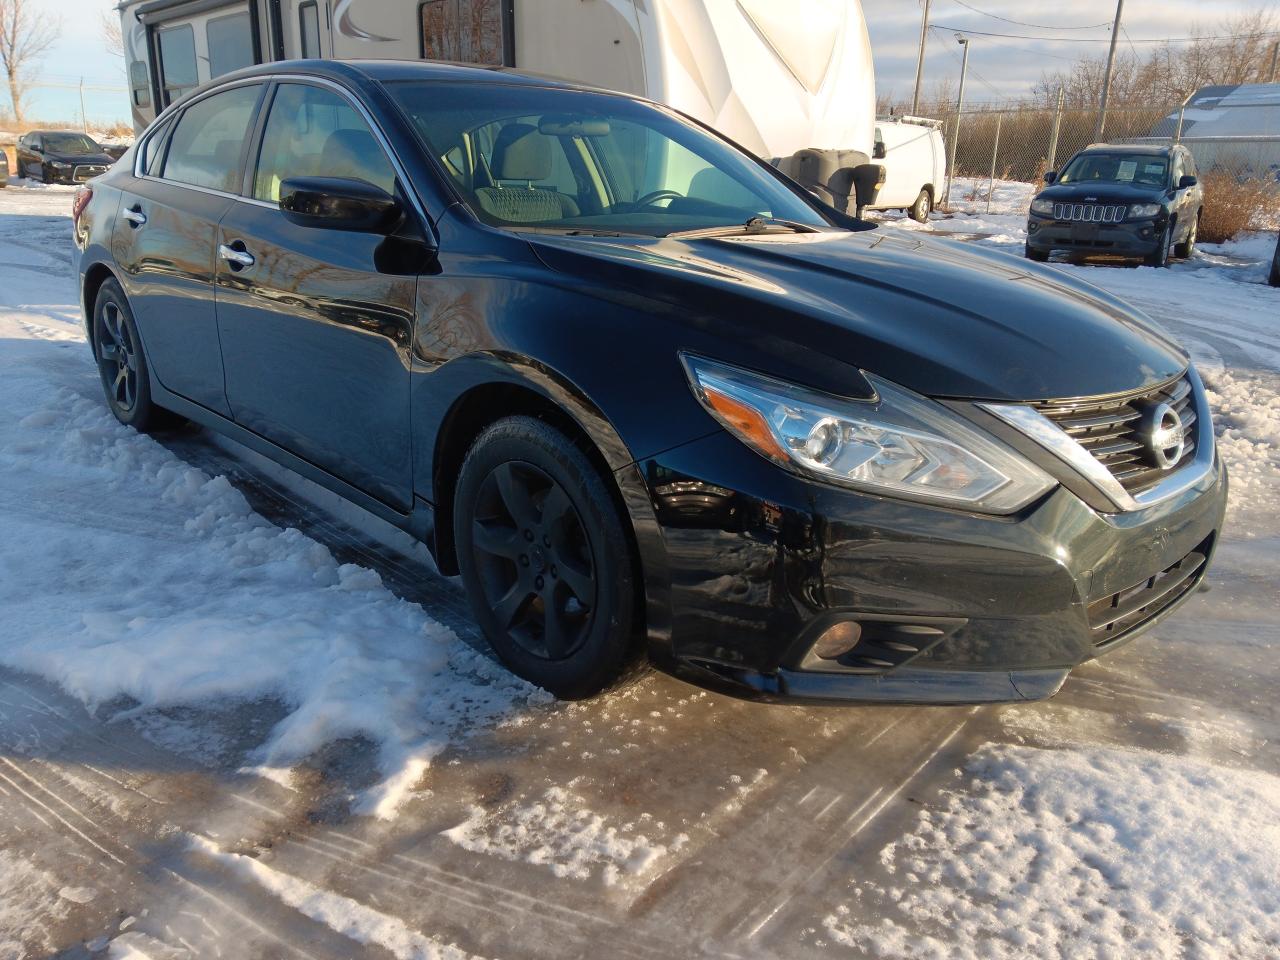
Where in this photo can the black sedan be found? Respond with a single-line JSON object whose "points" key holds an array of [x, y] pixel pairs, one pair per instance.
{"points": [[1274, 278], [59, 156], [1140, 202], [647, 396]]}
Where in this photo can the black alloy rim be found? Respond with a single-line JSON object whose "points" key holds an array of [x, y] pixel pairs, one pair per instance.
{"points": [[534, 560], [117, 357]]}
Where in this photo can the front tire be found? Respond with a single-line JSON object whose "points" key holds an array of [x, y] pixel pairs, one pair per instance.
{"points": [[920, 210], [1160, 256], [545, 559], [122, 364], [1187, 248]]}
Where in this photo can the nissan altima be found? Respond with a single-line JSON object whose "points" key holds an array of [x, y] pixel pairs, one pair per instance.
{"points": [[651, 400]]}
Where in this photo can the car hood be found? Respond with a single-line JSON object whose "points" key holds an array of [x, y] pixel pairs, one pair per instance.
{"points": [[944, 318], [80, 158], [1103, 193]]}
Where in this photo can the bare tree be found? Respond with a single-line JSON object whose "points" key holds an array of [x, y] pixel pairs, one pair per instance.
{"points": [[26, 34], [112, 38]]}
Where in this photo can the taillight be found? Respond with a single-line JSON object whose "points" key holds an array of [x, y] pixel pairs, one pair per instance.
{"points": [[82, 198]]}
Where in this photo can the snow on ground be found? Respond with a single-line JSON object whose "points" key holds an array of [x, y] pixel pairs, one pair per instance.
{"points": [[1087, 853], [559, 832], [1247, 420], [138, 582]]}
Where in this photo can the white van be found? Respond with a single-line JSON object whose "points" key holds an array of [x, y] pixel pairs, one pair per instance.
{"points": [[792, 82], [914, 159]]}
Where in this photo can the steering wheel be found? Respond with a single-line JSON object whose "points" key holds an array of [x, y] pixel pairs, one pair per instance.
{"points": [[649, 199]]}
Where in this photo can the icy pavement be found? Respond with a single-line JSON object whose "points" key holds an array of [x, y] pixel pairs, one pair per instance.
{"points": [[238, 719]]}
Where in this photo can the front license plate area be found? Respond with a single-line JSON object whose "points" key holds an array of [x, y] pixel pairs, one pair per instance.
{"points": [[1084, 232]]}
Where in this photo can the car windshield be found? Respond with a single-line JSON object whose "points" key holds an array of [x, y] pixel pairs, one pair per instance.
{"points": [[73, 144], [577, 162], [1144, 170]]}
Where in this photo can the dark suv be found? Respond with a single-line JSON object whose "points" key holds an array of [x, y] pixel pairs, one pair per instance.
{"points": [[60, 156], [1125, 201]]}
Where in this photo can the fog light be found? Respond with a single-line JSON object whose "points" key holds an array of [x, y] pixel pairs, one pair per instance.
{"points": [[1146, 233], [1033, 227], [837, 640]]}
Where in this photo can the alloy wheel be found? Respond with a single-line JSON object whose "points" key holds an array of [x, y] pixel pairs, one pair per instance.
{"points": [[117, 357], [534, 560]]}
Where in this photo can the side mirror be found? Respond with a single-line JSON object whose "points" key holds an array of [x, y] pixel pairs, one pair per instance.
{"points": [[1187, 181], [878, 152], [337, 203], [1050, 176]]}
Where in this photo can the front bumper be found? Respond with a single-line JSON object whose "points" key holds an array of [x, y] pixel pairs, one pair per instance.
{"points": [[1126, 239], [761, 561]]}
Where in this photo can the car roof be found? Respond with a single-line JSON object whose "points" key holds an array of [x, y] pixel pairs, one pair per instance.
{"points": [[43, 133], [1136, 149], [393, 70]]}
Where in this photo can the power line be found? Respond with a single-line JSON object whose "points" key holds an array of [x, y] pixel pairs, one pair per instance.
{"points": [[1023, 23], [1023, 36]]}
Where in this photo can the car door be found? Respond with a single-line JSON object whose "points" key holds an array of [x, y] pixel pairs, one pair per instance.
{"points": [[316, 323], [187, 178], [24, 154]]}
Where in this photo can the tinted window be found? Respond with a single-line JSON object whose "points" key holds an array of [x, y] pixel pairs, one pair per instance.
{"points": [[153, 150], [71, 144], [585, 161], [139, 86], [314, 132], [177, 62], [230, 42], [206, 144], [309, 30], [466, 31]]}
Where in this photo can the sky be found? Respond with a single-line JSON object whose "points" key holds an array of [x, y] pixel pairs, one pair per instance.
{"points": [[999, 68]]}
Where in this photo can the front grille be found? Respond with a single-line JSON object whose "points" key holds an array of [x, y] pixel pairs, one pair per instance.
{"points": [[1110, 429], [1088, 212], [87, 171], [1113, 616]]}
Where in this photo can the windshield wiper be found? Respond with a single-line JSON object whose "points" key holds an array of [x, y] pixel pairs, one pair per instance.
{"points": [[755, 225]]}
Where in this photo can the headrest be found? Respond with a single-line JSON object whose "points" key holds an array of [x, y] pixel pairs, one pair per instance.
{"points": [[521, 153], [348, 153]]}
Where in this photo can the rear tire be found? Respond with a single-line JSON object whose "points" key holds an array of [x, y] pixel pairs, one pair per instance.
{"points": [[920, 210], [122, 363], [545, 559], [1039, 256]]}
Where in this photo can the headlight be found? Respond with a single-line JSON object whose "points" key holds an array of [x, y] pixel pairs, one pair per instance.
{"points": [[1042, 206], [899, 444], [1144, 211]]}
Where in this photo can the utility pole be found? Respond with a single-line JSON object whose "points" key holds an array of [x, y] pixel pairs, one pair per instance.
{"points": [[955, 129], [84, 117], [1106, 77], [924, 35], [1275, 61]]}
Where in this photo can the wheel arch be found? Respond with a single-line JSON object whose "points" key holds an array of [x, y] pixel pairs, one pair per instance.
{"points": [[95, 275]]}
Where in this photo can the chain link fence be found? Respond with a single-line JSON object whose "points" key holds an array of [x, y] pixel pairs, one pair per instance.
{"points": [[1002, 151]]}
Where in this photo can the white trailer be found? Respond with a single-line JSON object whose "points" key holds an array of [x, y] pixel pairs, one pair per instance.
{"points": [[791, 81]]}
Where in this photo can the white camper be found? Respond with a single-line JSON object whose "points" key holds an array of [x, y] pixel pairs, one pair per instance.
{"points": [[914, 159], [791, 81]]}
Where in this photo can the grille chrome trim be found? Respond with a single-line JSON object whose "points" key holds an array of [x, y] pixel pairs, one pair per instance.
{"points": [[1089, 212], [87, 171], [1062, 444]]}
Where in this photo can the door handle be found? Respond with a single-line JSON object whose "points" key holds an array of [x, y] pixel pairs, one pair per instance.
{"points": [[237, 258], [135, 216]]}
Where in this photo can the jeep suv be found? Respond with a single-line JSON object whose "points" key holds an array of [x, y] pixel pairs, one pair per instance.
{"points": [[1126, 201]]}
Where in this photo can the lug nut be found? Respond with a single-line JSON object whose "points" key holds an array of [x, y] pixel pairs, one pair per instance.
{"points": [[554, 572], [546, 541], [524, 559], [528, 535], [538, 583]]}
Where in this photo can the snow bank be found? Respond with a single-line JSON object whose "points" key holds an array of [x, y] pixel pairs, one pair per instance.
{"points": [[125, 572], [557, 831], [1094, 853], [1247, 421]]}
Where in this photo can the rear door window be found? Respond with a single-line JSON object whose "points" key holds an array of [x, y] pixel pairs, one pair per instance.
{"points": [[208, 140], [315, 132]]}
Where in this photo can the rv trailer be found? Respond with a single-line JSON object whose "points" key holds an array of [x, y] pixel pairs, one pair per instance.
{"points": [[791, 81]]}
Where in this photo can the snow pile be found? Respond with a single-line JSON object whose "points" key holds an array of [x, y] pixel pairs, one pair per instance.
{"points": [[1247, 421], [559, 832], [348, 917], [1094, 852], [29, 905], [124, 571]]}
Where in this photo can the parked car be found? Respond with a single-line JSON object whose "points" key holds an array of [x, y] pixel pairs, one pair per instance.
{"points": [[644, 393], [1127, 201], [115, 150], [60, 156], [4, 169], [1274, 279], [915, 162]]}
